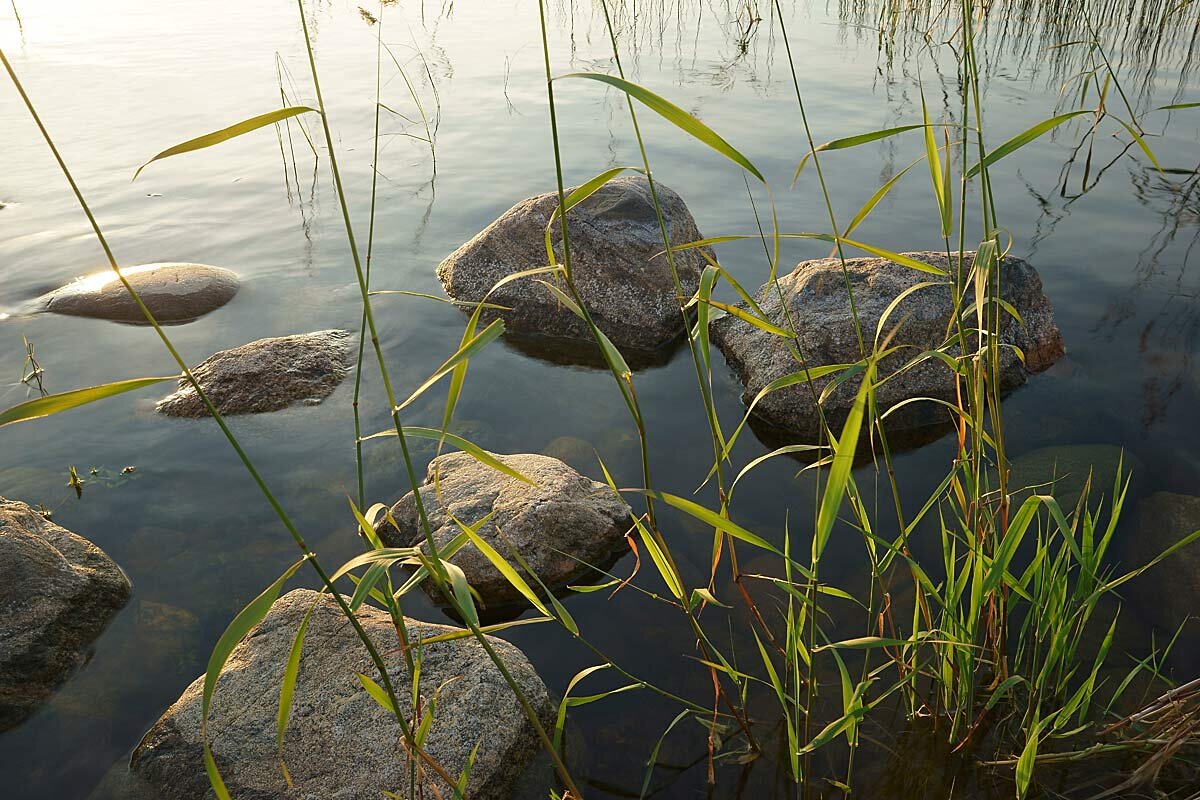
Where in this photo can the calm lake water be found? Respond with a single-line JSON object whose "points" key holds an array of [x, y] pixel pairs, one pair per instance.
{"points": [[118, 80]]}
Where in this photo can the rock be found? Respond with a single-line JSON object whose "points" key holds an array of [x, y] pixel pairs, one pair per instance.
{"points": [[815, 293], [1166, 593], [266, 375], [173, 292], [58, 591], [562, 520], [1069, 466], [616, 256], [340, 743]]}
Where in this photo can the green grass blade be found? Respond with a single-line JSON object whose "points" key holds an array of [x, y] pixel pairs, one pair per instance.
{"points": [[377, 693], [676, 116], [753, 319], [577, 196], [852, 141], [1024, 138], [464, 633], [468, 447], [54, 403], [935, 170], [225, 134], [843, 460], [472, 347], [503, 567], [561, 719], [875, 199], [462, 592], [246, 619], [612, 355], [1137, 137], [894, 257], [708, 279], [287, 689]]}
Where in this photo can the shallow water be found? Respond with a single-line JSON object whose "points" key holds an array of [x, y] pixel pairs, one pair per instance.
{"points": [[118, 80]]}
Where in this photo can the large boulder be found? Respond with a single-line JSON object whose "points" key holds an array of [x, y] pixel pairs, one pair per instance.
{"points": [[173, 292], [266, 375], [617, 260], [58, 591], [559, 521], [340, 743], [815, 300]]}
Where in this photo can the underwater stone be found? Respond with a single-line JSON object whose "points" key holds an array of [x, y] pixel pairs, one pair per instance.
{"points": [[561, 520], [173, 292], [577, 452], [58, 592], [616, 257], [340, 742], [1068, 467], [266, 375], [816, 300]]}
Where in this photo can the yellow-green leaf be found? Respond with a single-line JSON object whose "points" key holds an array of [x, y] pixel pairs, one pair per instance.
{"points": [[225, 134], [64, 401], [676, 116]]}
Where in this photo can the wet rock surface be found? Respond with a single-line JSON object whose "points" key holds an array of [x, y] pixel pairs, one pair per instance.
{"points": [[340, 743], [58, 591], [616, 256], [561, 521], [814, 298], [266, 375], [174, 293]]}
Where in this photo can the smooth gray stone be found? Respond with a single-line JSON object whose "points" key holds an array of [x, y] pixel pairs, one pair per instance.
{"points": [[174, 293]]}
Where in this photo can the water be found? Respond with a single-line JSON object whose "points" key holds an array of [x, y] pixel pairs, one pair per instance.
{"points": [[118, 80]]}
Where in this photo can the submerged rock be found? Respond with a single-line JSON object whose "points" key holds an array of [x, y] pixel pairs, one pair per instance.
{"points": [[814, 298], [563, 519], [340, 742], [572, 450], [1067, 468], [1167, 592], [58, 591], [173, 292], [616, 256], [266, 375]]}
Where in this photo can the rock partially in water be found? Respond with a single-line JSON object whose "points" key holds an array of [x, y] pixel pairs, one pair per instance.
{"points": [[340, 743], [814, 297], [563, 519], [58, 591], [174, 293], [1167, 592], [616, 256], [266, 375]]}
